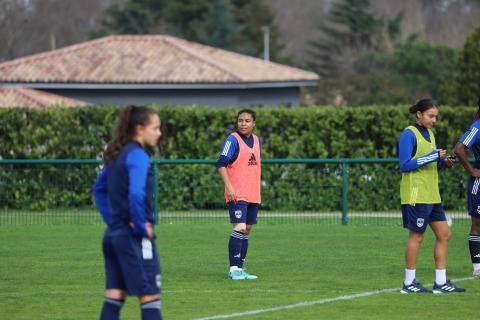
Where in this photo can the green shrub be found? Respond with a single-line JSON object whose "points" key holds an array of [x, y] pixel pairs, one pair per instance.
{"points": [[198, 133]]}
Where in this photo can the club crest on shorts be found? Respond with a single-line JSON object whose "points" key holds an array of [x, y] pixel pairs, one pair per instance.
{"points": [[238, 214], [420, 222]]}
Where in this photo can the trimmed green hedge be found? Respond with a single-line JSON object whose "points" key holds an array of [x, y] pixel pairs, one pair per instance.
{"points": [[198, 133]]}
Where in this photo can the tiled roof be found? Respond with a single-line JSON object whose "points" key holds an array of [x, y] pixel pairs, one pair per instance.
{"points": [[22, 97], [146, 59]]}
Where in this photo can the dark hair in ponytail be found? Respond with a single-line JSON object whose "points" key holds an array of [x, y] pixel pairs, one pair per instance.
{"points": [[422, 105], [127, 122]]}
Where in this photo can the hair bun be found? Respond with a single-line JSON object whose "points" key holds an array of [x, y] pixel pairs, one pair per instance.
{"points": [[422, 105]]}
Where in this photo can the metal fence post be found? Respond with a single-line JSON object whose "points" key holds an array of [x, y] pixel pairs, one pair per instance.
{"points": [[344, 191]]}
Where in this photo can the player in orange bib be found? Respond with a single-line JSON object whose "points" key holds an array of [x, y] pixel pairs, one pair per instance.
{"points": [[239, 166]]}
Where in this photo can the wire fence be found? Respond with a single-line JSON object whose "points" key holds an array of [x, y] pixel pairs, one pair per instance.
{"points": [[347, 191]]}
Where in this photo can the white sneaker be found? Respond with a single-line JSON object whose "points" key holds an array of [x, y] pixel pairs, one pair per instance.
{"points": [[476, 273]]}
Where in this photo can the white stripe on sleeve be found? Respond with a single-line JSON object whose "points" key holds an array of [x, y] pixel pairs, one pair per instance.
{"points": [[469, 138], [426, 159], [226, 148]]}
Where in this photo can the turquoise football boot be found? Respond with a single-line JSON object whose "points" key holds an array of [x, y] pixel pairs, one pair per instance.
{"points": [[248, 276], [236, 275]]}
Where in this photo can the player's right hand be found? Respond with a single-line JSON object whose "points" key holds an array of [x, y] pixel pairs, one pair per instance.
{"points": [[150, 232], [449, 160], [442, 152], [231, 194]]}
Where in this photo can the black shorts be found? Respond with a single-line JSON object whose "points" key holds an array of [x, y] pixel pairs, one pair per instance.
{"points": [[243, 212], [131, 264], [416, 217], [473, 197]]}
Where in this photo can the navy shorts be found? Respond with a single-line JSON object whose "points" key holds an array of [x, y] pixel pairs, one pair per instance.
{"points": [[416, 217], [473, 197], [131, 264], [243, 212]]}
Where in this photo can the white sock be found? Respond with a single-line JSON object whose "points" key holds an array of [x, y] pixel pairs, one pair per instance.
{"points": [[440, 276], [476, 266], [233, 268], [409, 276]]}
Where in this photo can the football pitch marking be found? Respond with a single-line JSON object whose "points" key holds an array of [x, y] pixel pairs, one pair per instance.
{"points": [[310, 303]]}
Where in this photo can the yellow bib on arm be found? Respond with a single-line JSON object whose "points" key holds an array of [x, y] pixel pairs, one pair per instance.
{"points": [[421, 185]]}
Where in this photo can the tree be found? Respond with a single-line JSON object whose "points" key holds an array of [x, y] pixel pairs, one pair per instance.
{"points": [[412, 71], [253, 15], [351, 29], [12, 16], [135, 17], [233, 25], [188, 16], [28, 27], [219, 28], [463, 88], [350, 36]]}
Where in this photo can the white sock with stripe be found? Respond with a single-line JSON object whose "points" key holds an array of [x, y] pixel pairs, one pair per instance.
{"points": [[409, 276], [440, 276]]}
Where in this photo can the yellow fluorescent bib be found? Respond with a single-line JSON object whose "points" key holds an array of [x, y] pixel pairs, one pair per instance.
{"points": [[421, 185]]}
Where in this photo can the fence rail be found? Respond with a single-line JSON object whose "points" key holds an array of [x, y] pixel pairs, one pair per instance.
{"points": [[292, 188]]}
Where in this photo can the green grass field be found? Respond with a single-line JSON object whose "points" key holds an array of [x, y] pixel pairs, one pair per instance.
{"points": [[56, 272]]}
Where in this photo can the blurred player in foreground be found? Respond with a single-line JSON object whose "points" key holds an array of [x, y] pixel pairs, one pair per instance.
{"points": [[124, 196]]}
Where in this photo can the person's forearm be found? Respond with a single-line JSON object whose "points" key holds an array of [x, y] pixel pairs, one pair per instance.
{"points": [[224, 175], [461, 152]]}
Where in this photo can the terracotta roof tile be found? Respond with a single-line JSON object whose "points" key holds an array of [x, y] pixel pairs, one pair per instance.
{"points": [[22, 97], [146, 59]]}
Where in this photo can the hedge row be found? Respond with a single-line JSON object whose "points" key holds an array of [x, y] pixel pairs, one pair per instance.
{"points": [[198, 133], [286, 187]]}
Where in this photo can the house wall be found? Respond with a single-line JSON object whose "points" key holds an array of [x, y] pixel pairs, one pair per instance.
{"points": [[213, 97]]}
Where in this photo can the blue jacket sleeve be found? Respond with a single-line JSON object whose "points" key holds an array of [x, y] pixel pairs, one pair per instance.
{"points": [[100, 194], [137, 164], [230, 147], [260, 145], [406, 146], [471, 136]]}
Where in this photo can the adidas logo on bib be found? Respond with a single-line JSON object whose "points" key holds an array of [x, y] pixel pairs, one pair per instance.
{"points": [[252, 161]]}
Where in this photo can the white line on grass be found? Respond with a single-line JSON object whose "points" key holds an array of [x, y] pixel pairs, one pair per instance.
{"points": [[249, 290], [309, 303]]}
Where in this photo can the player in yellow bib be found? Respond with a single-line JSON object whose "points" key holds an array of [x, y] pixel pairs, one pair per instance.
{"points": [[420, 197]]}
